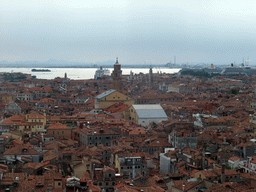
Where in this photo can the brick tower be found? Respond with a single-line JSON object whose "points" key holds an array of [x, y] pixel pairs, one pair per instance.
{"points": [[117, 76]]}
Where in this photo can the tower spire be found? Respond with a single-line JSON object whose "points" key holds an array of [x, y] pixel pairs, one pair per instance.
{"points": [[117, 63]]}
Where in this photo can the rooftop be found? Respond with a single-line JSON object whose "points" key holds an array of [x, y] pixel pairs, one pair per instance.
{"points": [[150, 111]]}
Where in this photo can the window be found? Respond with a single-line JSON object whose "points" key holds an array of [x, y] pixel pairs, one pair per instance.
{"points": [[62, 132], [59, 184]]}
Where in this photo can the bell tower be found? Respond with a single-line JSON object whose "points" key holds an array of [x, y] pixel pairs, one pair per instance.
{"points": [[117, 76], [150, 77]]}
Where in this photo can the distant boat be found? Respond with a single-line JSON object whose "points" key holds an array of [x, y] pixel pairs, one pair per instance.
{"points": [[100, 72], [40, 70], [173, 65]]}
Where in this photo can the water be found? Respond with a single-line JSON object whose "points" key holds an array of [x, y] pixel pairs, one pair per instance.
{"points": [[81, 73]]}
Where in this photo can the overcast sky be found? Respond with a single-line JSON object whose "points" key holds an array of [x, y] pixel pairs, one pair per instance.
{"points": [[137, 31]]}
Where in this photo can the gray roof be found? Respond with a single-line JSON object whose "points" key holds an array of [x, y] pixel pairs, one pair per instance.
{"points": [[150, 111], [104, 94]]}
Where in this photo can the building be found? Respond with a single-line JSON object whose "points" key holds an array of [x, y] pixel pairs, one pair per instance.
{"points": [[59, 131], [167, 162], [7, 97], [146, 114], [24, 96], [19, 152], [246, 149], [25, 124], [5, 126], [233, 162], [155, 97], [248, 165], [38, 122], [106, 178], [13, 108], [111, 97], [183, 140], [97, 136], [130, 165], [179, 88], [79, 169]]}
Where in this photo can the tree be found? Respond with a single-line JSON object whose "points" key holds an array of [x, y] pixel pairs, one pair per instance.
{"points": [[234, 91]]}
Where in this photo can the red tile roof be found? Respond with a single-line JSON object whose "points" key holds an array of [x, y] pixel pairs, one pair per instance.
{"points": [[58, 126]]}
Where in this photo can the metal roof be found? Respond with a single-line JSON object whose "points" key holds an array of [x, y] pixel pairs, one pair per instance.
{"points": [[150, 111], [104, 94]]}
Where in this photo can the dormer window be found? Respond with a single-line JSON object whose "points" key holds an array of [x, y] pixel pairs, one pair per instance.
{"points": [[24, 150]]}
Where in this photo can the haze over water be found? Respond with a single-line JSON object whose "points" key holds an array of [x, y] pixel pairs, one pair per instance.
{"points": [[82, 73]]}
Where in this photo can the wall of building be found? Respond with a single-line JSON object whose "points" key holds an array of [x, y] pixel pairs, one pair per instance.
{"points": [[165, 163], [60, 133], [146, 122], [114, 98], [183, 142]]}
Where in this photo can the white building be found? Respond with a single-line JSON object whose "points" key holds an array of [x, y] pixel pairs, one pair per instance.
{"points": [[145, 114], [248, 165], [233, 162]]}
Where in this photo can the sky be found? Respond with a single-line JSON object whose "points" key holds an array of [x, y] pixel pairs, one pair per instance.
{"points": [[135, 31]]}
